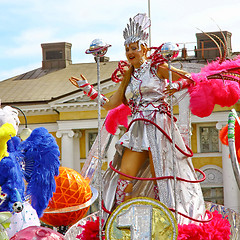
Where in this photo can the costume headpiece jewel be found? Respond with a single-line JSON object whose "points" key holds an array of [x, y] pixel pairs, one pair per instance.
{"points": [[135, 30]]}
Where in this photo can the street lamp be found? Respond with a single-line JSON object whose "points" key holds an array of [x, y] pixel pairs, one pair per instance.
{"points": [[25, 133]]}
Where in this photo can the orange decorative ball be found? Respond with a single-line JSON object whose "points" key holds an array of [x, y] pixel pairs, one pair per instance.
{"points": [[71, 190]]}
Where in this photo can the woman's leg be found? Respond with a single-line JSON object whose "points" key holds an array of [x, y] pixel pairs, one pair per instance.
{"points": [[131, 163], [155, 188], [152, 166]]}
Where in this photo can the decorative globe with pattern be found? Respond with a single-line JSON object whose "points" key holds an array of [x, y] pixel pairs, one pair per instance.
{"points": [[72, 190], [98, 48]]}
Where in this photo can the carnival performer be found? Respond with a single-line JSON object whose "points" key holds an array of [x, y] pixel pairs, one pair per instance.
{"points": [[145, 149]]}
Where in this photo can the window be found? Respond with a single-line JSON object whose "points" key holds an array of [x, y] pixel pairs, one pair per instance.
{"points": [[91, 138], [207, 44], [213, 194], [209, 141], [50, 55], [212, 187]]}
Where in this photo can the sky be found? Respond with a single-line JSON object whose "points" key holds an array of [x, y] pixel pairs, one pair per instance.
{"points": [[26, 24]]}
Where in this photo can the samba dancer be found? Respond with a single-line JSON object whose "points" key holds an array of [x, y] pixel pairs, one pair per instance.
{"points": [[144, 150]]}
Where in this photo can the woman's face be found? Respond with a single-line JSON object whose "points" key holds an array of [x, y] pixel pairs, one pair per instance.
{"points": [[134, 56]]}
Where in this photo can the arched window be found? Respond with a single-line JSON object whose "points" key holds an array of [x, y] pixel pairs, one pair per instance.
{"points": [[212, 187]]}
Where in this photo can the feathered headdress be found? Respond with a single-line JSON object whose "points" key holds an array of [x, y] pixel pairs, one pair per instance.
{"points": [[135, 30]]}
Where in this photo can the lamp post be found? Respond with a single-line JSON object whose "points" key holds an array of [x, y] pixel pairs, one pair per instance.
{"points": [[170, 51], [149, 15], [25, 133]]}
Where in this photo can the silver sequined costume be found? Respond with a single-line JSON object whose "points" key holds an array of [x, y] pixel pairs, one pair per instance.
{"points": [[146, 99]]}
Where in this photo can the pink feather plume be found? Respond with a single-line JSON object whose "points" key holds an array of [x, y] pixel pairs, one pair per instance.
{"points": [[217, 229], [206, 93], [117, 116]]}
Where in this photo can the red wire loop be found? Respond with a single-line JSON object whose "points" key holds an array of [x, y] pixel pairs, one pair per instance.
{"points": [[196, 220], [168, 137], [160, 178], [104, 208]]}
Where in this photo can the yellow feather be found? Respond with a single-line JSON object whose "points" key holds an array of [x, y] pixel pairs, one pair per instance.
{"points": [[6, 132]]}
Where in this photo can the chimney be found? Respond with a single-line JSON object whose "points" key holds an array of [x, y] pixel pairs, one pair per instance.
{"points": [[207, 49], [56, 55]]}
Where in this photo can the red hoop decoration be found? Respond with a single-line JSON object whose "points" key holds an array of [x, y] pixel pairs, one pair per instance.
{"points": [[193, 219], [104, 208], [120, 69], [168, 137], [160, 178]]}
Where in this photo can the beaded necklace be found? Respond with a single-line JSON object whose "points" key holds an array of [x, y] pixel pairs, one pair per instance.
{"points": [[141, 70]]}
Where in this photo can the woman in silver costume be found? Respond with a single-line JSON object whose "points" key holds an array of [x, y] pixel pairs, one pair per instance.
{"points": [[145, 149]]}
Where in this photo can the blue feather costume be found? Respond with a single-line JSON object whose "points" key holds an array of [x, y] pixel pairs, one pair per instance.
{"points": [[35, 160], [11, 176]]}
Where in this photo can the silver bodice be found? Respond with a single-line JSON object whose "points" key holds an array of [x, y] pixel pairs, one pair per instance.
{"points": [[145, 90]]}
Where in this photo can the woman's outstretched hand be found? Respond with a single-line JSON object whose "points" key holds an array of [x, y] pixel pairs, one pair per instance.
{"points": [[74, 80], [169, 91]]}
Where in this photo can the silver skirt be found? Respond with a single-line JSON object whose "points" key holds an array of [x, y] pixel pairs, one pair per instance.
{"points": [[146, 136]]}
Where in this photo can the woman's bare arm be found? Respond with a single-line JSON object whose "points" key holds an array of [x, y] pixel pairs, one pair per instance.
{"points": [[114, 101], [163, 72]]}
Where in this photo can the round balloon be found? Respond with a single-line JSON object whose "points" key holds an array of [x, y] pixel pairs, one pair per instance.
{"points": [[72, 190]]}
